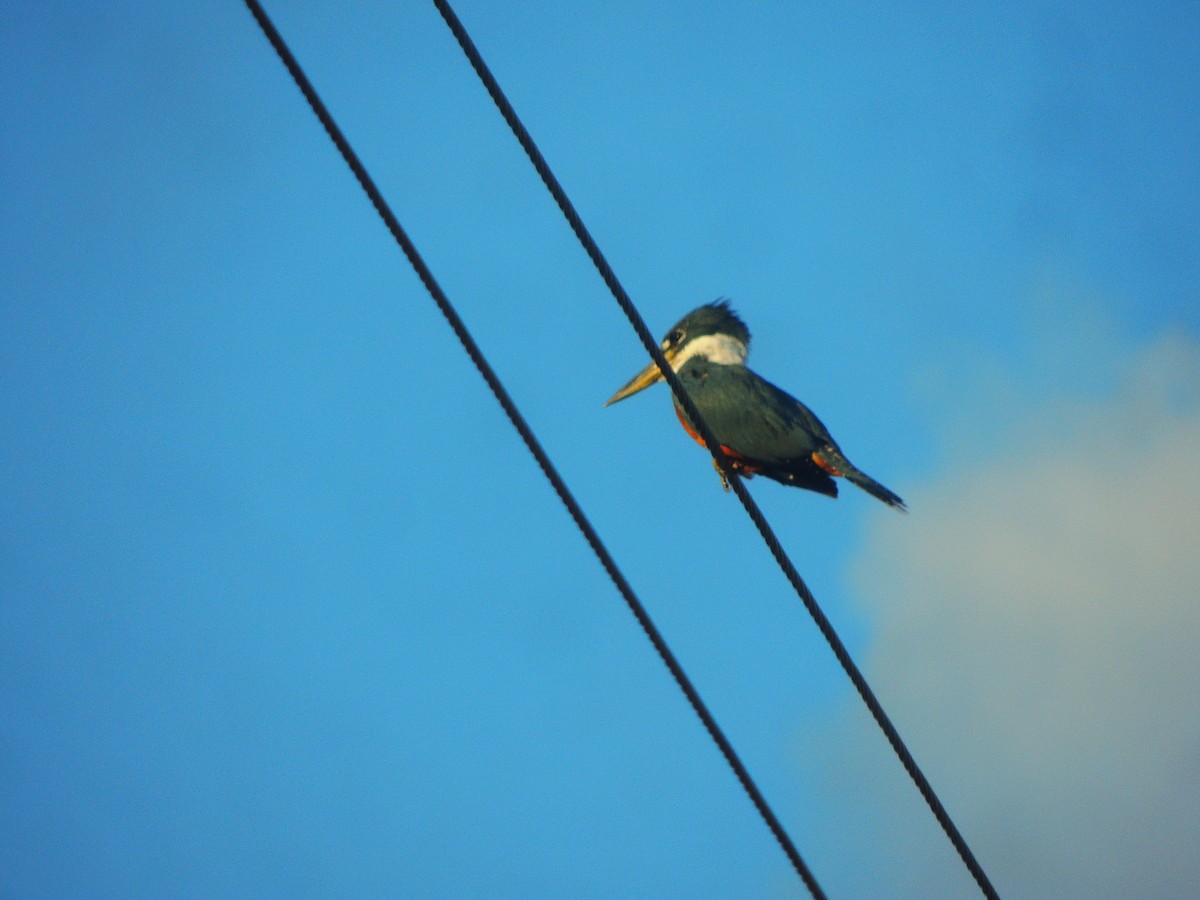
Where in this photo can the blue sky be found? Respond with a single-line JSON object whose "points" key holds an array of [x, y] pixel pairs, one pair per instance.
{"points": [[285, 607]]}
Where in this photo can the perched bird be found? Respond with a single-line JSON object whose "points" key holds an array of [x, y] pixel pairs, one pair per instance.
{"points": [[763, 430]]}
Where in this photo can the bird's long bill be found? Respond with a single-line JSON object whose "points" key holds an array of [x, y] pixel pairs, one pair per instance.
{"points": [[641, 380]]}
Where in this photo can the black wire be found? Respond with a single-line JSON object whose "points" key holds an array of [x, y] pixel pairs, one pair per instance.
{"points": [[522, 427], [768, 535]]}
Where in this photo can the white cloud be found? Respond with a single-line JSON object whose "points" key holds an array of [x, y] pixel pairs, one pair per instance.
{"points": [[1038, 637]]}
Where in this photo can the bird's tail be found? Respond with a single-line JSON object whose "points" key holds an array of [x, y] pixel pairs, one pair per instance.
{"points": [[833, 461]]}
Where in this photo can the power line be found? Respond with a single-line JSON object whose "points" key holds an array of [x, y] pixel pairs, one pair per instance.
{"points": [[532, 443], [639, 326]]}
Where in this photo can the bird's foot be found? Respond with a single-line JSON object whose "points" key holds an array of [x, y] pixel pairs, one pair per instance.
{"points": [[721, 473]]}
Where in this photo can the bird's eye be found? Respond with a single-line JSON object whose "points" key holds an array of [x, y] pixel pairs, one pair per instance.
{"points": [[675, 337]]}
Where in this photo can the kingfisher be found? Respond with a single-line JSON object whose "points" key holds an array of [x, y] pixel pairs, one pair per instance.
{"points": [[761, 429]]}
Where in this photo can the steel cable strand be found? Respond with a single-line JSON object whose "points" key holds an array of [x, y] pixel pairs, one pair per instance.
{"points": [[534, 446], [776, 548]]}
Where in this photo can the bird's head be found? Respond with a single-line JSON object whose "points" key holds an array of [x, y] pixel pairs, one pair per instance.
{"points": [[713, 332]]}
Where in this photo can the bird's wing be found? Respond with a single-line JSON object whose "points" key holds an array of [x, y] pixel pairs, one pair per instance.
{"points": [[751, 415]]}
